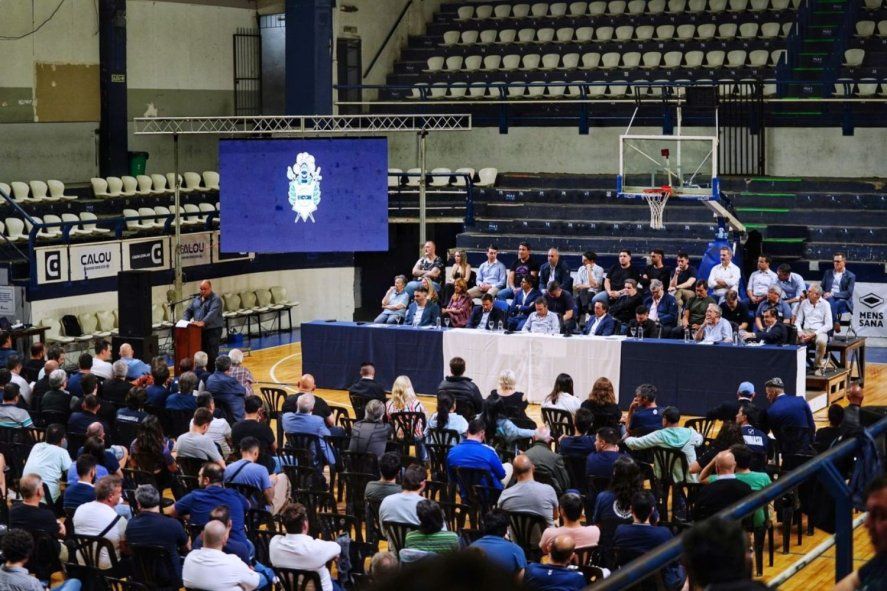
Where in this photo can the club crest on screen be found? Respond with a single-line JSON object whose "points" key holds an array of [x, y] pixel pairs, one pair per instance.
{"points": [[304, 187]]}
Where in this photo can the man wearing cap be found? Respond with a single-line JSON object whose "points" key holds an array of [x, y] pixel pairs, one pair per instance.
{"points": [[788, 412], [726, 411]]}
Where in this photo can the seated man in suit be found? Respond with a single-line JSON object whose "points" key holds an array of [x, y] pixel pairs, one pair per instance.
{"points": [[367, 387], [837, 288], [486, 316], [627, 302], [642, 322], [555, 269], [523, 304], [601, 324], [773, 331], [663, 306], [423, 311]]}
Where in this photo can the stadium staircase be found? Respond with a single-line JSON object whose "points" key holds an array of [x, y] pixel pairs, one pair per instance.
{"points": [[800, 220]]}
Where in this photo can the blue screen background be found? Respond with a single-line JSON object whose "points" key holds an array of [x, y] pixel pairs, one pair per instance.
{"points": [[352, 214]]}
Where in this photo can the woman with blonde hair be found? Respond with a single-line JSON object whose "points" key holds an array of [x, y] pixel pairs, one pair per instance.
{"points": [[602, 404], [459, 308], [429, 285], [403, 399], [514, 403]]}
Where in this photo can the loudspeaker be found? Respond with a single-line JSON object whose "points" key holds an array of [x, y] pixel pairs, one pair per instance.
{"points": [[144, 348], [702, 97], [134, 303]]}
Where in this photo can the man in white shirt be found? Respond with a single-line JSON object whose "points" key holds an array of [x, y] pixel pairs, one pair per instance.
{"points": [[101, 361], [300, 551], [100, 518], [211, 569], [542, 321], [14, 365], [589, 281], [761, 280], [219, 429], [725, 276], [814, 320]]}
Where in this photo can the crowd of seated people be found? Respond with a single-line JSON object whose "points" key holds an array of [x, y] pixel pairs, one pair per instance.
{"points": [[653, 301], [196, 466]]}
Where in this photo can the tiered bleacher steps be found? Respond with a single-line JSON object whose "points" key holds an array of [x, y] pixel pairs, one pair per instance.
{"points": [[815, 52]]}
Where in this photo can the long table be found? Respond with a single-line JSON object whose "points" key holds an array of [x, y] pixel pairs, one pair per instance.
{"points": [[694, 377]]}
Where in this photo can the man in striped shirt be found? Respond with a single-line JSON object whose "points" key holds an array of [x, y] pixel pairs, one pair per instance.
{"points": [[11, 416]]}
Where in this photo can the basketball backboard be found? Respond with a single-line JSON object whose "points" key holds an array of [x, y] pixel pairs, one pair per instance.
{"points": [[686, 164]]}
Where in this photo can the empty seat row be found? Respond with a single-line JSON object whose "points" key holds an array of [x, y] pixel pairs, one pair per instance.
{"points": [[666, 32], [93, 325], [154, 218], [867, 28], [573, 89], [633, 59], [442, 177], [36, 191], [155, 184], [854, 57], [258, 301], [618, 7], [862, 87], [872, 4], [18, 230]]}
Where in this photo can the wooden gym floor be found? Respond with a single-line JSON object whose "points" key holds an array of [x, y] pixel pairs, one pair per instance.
{"points": [[283, 365]]}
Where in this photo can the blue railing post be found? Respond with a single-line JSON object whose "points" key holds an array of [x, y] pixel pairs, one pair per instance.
{"points": [[834, 483]]}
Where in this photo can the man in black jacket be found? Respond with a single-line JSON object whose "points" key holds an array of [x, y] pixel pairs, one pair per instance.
{"points": [[461, 388], [367, 387], [774, 332], [487, 316], [628, 301]]}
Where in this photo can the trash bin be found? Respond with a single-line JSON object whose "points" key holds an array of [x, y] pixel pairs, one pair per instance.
{"points": [[137, 163]]}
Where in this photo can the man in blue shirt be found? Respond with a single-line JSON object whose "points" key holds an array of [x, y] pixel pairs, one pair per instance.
{"points": [[150, 527], [600, 462], [472, 453], [247, 471], [643, 415], [786, 415], [755, 439], [227, 392], [205, 311], [199, 503], [791, 284], [80, 421], [581, 443], [184, 399], [639, 537], [491, 275], [6, 348], [84, 363], [773, 301], [305, 423], [159, 390], [137, 367], [83, 490], [557, 574], [504, 553]]}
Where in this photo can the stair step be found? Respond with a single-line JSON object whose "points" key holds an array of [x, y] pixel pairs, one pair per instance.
{"points": [[814, 53], [785, 240], [777, 179], [767, 194], [763, 209]]}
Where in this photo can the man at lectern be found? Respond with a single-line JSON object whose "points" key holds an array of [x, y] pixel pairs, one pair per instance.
{"points": [[206, 311]]}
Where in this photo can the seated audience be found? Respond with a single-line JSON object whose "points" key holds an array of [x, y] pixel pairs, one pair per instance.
{"points": [[210, 569], [642, 326], [49, 459], [491, 276], [555, 269], [729, 434], [515, 403], [370, 435], [722, 491], [136, 368], [401, 507], [772, 332], [247, 471], [542, 321], [296, 549], [201, 361], [826, 436], [601, 403], [133, 412], [389, 467], [523, 304], [683, 279], [57, 399], [184, 398], [523, 267], [84, 363], [394, 303], [496, 547], [11, 416], [100, 518], [655, 271], [254, 425], [662, 305], [82, 491], [472, 453], [643, 415], [673, 436], [303, 422], [580, 443], [773, 301], [445, 419], [222, 514], [498, 424], [101, 360], [726, 411], [149, 527], [734, 310], [756, 439], [34, 364], [196, 443], [404, 399], [585, 536], [606, 451], [615, 279], [716, 557], [600, 323], [18, 548], [429, 266], [321, 408], [159, 390], [33, 516], [556, 574], [219, 429], [367, 388], [460, 386], [431, 535], [561, 395], [695, 308], [837, 288], [80, 420], [760, 281], [623, 309], [197, 504], [227, 392], [725, 276], [116, 388], [560, 302], [486, 316], [756, 480], [241, 373], [715, 329], [14, 365], [527, 495], [589, 281], [640, 536], [458, 309], [549, 465], [152, 452]]}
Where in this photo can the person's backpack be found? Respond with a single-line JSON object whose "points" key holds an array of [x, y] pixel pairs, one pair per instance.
{"points": [[71, 326]]}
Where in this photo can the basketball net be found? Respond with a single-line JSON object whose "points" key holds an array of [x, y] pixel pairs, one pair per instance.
{"points": [[656, 198]]}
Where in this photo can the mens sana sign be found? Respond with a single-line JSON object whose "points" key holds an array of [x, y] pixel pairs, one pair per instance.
{"points": [[305, 195]]}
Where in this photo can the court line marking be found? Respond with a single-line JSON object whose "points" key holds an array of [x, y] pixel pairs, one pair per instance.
{"points": [[274, 367]]}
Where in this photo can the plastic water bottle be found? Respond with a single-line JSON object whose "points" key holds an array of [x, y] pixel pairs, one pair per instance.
{"points": [[640, 333], [437, 323], [501, 326], [736, 339], [687, 335]]}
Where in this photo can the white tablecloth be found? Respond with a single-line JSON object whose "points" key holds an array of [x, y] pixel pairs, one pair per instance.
{"points": [[535, 359]]}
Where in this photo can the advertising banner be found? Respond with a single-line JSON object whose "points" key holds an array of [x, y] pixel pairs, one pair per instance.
{"points": [[196, 248], [870, 309], [94, 260], [148, 254], [52, 264]]}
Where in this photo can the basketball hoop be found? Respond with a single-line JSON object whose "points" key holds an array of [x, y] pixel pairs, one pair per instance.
{"points": [[656, 198]]}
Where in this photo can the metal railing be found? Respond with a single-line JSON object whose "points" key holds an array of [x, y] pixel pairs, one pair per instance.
{"points": [[388, 37], [15, 205], [822, 467]]}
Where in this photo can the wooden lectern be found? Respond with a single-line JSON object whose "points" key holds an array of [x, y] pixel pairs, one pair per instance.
{"points": [[187, 343]]}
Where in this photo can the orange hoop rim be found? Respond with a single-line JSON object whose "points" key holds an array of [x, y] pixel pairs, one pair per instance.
{"points": [[663, 190]]}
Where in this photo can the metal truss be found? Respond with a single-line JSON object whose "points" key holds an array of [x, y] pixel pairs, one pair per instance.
{"points": [[312, 124]]}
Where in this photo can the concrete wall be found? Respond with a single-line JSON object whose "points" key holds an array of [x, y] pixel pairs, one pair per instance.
{"points": [[300, 286]]}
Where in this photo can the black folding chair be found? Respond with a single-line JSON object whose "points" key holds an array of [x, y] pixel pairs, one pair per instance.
{"points": [[526, 532], [298, 580], [153, 566], [559, 422], [396, 532]]}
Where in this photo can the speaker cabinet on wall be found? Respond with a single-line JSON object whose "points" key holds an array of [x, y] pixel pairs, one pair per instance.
{"points": [[134, 303]]}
